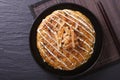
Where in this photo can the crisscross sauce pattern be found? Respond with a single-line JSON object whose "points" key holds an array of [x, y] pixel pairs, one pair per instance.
{"points": [[65, 39]]}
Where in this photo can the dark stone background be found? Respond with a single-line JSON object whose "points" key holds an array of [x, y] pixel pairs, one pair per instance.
{"points": [[16, 61]]}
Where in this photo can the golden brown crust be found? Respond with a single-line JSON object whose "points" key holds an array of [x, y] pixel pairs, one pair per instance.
{"points": [[65, 39]]}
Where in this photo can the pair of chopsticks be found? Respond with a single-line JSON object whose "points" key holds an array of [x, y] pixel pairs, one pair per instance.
{"points": [[109, 25]]}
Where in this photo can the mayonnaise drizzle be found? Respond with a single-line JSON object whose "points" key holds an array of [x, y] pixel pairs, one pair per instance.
{"points": [[80, 39], [75, 29], [80, 20], [54, 56], [79, 32], [54, 47], [83, 22], [63, 48]]}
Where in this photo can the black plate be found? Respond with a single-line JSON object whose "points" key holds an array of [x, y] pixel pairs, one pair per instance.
{"points": [[98, 43]]}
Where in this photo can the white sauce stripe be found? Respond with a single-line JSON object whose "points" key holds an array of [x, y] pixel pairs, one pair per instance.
{"points": [[85, 43], [55, 47], [63, 49], [80, 54], [84, 21], [49, 28], [75, 28], [47, 56], [79, 25], [80, 20], [54, 56], [83, 49], [72, 55], [56, 42]]}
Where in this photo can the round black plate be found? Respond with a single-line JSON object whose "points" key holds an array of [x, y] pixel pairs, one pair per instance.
{"points": [[98, 44]]}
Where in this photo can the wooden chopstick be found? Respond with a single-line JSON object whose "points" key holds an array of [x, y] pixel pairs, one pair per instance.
{"points": [[109, 25]]}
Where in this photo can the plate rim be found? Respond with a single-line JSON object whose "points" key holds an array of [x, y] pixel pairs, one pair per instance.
{"points": [[31, 42]]}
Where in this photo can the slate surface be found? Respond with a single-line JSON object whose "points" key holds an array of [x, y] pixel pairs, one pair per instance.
{"points": [[16, 61]]}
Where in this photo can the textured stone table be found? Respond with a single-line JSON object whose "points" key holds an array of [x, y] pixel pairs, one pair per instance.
{"points": [[16, 61]]}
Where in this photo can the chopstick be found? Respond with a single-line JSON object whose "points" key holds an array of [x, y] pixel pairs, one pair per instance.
{"points": [[109, 25]]}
